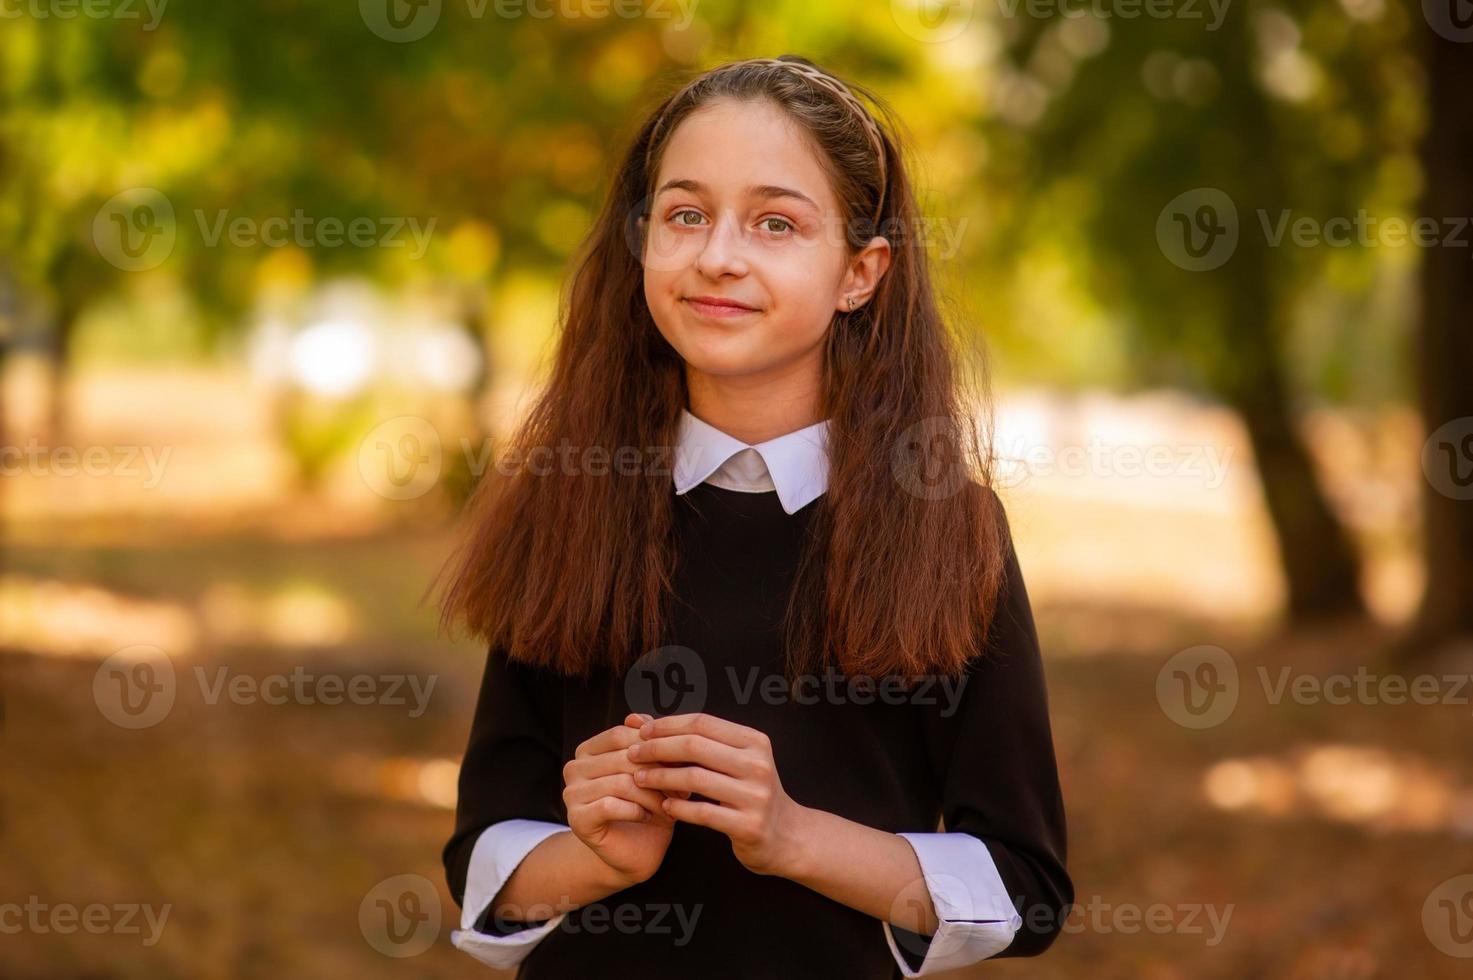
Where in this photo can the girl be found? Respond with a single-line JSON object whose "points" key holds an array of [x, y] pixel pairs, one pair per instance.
{"points": [[734, 683]]}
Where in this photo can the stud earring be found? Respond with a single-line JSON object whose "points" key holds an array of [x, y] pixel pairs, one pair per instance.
{"points": [[851, 304]]}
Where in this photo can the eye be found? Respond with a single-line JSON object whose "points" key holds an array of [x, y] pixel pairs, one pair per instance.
{"points": [[675, 218], [784, 222]]}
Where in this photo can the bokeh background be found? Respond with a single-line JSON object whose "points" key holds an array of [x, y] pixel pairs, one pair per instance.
{"points": [[275, 278]]}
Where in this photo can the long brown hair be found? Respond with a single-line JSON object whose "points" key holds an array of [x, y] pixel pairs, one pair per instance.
{"points": [[571, 566]]}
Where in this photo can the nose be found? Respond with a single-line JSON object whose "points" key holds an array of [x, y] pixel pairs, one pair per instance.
{"points": [[724, 249]]}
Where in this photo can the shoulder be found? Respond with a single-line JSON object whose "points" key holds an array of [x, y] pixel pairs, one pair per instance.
{"points": [[988, 505]]}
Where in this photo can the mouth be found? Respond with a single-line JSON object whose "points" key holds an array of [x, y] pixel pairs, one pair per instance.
{"points": [[715, 306]]}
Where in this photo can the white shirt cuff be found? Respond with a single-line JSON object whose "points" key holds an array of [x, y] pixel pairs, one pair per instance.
{"points": [[498, 851], [976, 919]]}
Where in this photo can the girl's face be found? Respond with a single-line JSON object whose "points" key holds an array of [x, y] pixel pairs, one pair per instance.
{"points": [[743, 212]]}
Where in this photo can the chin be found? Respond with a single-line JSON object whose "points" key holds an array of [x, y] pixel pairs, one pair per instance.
{"points": [[709, 346], [718, 363]]}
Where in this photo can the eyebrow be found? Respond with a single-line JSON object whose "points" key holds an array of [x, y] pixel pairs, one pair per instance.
{"points": [[764, 191]]}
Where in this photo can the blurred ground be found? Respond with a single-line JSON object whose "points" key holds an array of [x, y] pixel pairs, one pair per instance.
{"points": [[1320, 831]]}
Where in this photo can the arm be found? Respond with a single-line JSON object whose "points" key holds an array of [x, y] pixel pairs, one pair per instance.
{"points": [[993, 760], [513, 865], [867, 869], [946, 898], [1003, 852], [559, 874]]}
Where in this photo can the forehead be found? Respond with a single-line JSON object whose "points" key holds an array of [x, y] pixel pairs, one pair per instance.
{"points": [[730, 145]]}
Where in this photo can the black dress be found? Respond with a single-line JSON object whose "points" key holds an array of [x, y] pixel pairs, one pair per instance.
{"points": [[978, 754]]}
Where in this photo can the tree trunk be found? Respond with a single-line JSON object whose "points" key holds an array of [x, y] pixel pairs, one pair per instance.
{"points": [[1319, 561], [1320, 564], [1445, 356], [58, 406], [68, 276]]}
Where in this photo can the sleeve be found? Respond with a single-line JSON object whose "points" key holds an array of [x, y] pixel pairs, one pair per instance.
{"points": [[510, 800], [498, 851], [997, 875]]}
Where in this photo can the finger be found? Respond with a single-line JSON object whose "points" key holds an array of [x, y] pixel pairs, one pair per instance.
{"points": [[720, 818], [714, 755], [616, 737], [603, 764], [700, 723], [695, 779], [607, 808], [621, 785]]}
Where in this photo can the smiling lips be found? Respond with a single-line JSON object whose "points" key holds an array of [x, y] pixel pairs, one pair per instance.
{"points": [[716, 306]]}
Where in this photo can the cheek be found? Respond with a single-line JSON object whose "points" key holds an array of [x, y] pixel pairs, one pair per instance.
{"points": [[802, 294], [659, 289]]}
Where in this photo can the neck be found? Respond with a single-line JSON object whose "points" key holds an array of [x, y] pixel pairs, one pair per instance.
{"points": [[755, 409]]}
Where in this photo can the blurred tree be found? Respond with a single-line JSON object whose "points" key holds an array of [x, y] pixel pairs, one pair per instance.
{"points": [[1173, 149], [502, 131], [1445, 356]]}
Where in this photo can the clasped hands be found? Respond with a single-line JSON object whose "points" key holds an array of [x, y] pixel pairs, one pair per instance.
{"points": [[679, 756]]}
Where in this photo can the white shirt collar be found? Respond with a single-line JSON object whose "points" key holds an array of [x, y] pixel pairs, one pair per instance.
{"points": [[796, 465]]}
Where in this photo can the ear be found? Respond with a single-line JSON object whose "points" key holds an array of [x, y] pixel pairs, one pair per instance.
{"points": [[863, 275]]}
